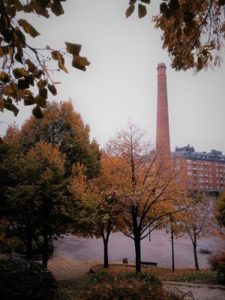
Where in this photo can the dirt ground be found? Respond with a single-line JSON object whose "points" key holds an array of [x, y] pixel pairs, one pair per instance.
{"points": [[67, 269]]}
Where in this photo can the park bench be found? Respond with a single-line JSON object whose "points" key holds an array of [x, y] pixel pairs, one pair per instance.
{"points": [[148, 264], [204, 248]]}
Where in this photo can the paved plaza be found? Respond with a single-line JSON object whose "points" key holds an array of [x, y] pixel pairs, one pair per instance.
{"points": [[157, 248]]}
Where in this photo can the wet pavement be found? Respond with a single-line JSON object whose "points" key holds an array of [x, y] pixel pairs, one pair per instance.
{"points": [[156, 248]]}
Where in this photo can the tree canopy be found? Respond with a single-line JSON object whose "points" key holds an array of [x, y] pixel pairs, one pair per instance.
{"points": [[220, 209], [32, 201], [192, 31], [98, 205], [64, 127]]}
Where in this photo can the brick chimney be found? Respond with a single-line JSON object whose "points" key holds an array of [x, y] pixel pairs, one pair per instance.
{"points": [[162, 129]]}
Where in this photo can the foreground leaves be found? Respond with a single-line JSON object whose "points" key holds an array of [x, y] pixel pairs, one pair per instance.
{"points": [[24, 68]]}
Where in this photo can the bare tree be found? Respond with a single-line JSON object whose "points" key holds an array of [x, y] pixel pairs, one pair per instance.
{"points": [[196, 221]]}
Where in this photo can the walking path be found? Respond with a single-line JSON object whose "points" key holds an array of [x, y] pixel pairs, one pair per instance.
{"points": [[197, 291], [157, 248]]}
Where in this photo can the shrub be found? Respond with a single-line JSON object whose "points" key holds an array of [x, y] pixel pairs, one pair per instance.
{"points": [[23, 280], [217, 263], [129, 286], [195, 276]]}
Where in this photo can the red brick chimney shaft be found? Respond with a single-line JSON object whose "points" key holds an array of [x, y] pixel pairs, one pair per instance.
{"points": [[162, 134]]}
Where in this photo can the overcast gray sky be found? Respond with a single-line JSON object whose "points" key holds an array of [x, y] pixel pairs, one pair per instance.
{"points": [[120, 84]]}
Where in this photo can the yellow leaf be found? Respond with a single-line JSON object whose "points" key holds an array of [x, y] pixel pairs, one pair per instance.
{"points": [[28, 28], [19, 72], [1, 52], [80, 62], [4, 77], [73, 48]]}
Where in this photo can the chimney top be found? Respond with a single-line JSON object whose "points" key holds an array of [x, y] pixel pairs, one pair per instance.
{"points": [[161, 65]]}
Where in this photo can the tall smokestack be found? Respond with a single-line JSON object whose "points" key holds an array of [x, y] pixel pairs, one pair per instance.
{"points": [[162, 134]]}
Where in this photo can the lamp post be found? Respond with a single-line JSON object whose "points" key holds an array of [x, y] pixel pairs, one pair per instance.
{"points": [[172, 241]]}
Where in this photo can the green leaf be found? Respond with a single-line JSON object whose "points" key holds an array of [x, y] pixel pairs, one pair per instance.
{"points": [[130, 10], [80, 62], [141, 10], [37, 112], [28, 28], [52, 89], [73, 48], [57, 8]]}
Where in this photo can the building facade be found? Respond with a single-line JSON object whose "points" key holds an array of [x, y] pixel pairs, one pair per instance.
{"points": [[200, 171]]}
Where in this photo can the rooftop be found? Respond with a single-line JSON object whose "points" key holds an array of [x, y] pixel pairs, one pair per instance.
{"points": [[189, 152]]}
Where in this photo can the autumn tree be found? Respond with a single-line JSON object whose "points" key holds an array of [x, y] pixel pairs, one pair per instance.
{"points": [[25, 70], [64, 127], [34, 204], [146, 185], [220, 209], [192, 31], [97, 205], [196, 221]]}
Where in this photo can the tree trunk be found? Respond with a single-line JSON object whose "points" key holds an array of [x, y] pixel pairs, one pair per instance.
{"points": [[29, 248], [172, 243], [195, 255], [106, 257], [137, 243], [45, 251]]}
